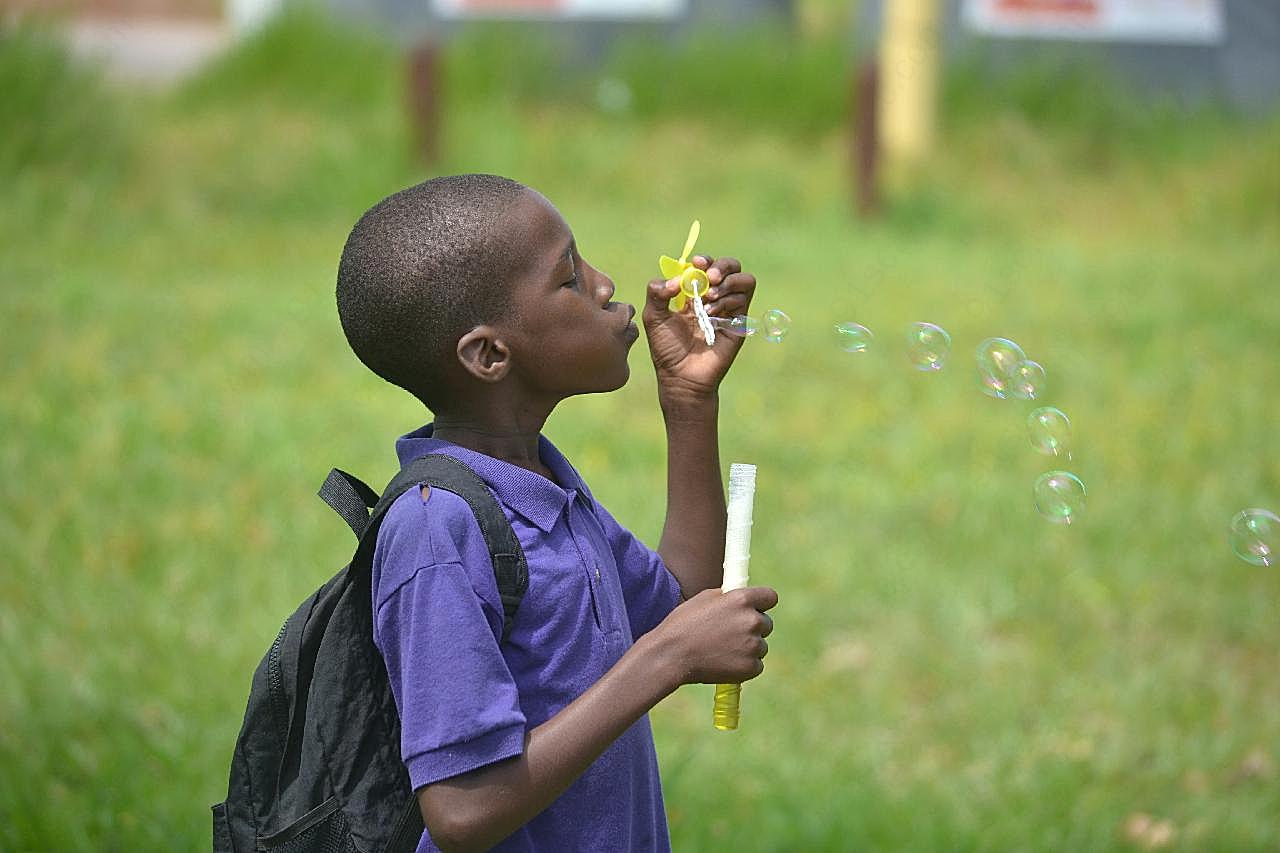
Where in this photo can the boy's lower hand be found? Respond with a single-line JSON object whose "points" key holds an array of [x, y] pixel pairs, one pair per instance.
{"points": [[717, 637], [684, 363]]}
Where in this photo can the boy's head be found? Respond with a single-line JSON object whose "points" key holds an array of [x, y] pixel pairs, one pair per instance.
{"points": [[420, 268], [470, 277]]}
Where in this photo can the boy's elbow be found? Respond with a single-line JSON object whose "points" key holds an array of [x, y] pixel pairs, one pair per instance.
{"points": [[453, 827]]}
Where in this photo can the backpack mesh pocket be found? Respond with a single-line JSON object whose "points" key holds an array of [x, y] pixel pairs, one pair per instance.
{"points": [[322, 830]]}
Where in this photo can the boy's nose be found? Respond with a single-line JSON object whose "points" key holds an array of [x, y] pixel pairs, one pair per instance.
{"points": [[604, 286]]}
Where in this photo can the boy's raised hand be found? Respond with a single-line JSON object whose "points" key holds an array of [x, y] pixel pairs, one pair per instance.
{"points": [[681, 357]]}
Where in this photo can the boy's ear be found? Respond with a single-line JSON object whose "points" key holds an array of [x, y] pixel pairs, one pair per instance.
{"points": [[483, 354]]}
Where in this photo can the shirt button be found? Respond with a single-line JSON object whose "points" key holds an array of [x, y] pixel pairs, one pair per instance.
{"points": [[597, 573]]}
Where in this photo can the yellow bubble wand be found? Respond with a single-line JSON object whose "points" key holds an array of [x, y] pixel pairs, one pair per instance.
{"points": [[737, 555], [693, 283]]}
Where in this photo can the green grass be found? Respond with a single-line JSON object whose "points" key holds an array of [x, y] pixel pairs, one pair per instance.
{"points": [[948, 672]]}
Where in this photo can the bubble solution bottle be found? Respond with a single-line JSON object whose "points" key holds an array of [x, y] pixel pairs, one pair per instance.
{"points": [[737, 554]]}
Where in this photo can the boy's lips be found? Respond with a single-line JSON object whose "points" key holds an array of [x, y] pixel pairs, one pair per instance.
{"points": [[629, 329]]}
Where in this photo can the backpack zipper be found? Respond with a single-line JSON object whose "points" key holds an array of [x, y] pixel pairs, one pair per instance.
{"points": [[275, 684]]}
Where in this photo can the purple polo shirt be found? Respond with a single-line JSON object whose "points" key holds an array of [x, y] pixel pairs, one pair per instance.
{"points": [[465, 698]]}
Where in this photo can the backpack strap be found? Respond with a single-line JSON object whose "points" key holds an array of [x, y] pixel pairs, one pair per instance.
{"points": [[350, 498], [408, 831], [510, 568]]}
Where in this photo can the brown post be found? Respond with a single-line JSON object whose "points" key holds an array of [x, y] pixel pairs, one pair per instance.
{"points": [[865, 146], [424, 100]]}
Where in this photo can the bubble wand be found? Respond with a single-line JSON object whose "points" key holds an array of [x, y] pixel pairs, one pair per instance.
{"points": [[737, 554], [693, 283]]}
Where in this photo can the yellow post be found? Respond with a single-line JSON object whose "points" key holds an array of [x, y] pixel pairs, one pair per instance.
{"points": [[908, 83]]}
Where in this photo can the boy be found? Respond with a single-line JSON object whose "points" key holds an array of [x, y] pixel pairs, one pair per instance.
{"points": [[470, 293]]}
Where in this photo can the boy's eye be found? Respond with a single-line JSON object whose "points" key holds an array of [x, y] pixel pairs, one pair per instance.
{"points": [[573, 282]]}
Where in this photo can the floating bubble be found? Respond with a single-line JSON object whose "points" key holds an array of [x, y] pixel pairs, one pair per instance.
{"points": [[613, 95], [1255, 536], [997, 360], [1050, 431], [741, 325], [1059, 496], [776, 325], [853, 337], [928, 346], [1028, 380]]}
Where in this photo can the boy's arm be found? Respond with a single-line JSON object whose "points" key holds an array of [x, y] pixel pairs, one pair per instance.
{"points": [[689, 374], [711, 638]]}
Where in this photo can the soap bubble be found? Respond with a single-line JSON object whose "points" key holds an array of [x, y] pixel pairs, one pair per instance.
{"points": [[853, 337], [613, 95], [741, 325], [1059, 496], [928, 346], [1050, 431], [997, 359], [1028, 380], [1255, 536], [776, 325]]}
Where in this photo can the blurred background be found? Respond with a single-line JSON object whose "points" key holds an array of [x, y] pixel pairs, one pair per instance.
{"points": [[1098, 180]]}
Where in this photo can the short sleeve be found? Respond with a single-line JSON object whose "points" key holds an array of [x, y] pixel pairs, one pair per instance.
{"points": [[458, 703], [651, 592]]}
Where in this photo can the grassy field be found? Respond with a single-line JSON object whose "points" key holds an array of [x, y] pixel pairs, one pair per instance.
{"points": [[949, 671]]}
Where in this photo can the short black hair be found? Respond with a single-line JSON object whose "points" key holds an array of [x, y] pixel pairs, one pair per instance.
{"points": [[420, 269]]}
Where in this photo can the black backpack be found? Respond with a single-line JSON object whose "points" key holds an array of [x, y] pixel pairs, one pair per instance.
{"points": [[317, 765]]}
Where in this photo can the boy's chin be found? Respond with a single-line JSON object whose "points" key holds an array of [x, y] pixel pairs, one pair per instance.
{"points": [[613, 384], [624, 378]]}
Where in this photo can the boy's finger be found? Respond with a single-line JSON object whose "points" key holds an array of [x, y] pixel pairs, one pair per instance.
{"points": [[733, 297], [729, 306], [710, 266], [727, 266], [761, 598], [741, 282], [659, 294]]}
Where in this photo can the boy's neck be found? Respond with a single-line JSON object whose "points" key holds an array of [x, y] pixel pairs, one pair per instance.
{"points": [[513, 443]]}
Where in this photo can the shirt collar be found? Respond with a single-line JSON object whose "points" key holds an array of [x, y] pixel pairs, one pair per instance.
{"points": [[531, 495]]}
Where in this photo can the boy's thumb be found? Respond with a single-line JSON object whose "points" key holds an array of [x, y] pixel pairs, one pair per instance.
{"points": [[762, 598], [660, 294]]}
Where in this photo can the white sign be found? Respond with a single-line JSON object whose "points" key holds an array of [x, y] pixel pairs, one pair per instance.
{"points": [[1164, 21], [557, 9]]}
